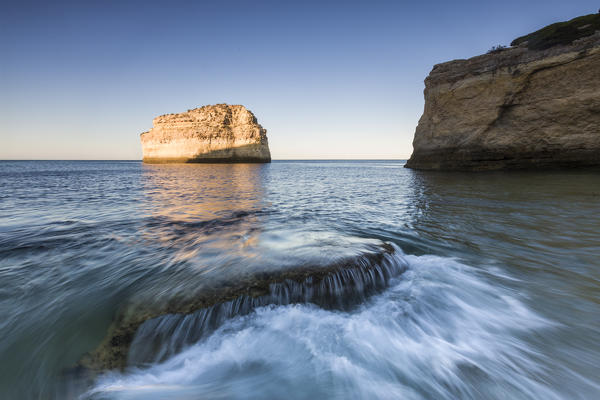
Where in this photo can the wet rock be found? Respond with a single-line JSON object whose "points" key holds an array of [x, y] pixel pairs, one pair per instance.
{"points": [[157, 331]]}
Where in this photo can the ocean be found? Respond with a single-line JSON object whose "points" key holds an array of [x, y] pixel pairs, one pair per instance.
{"points": [[297, 280]]}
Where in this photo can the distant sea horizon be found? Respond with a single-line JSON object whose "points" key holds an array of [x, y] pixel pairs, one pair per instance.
{"points": [[275, 159]]}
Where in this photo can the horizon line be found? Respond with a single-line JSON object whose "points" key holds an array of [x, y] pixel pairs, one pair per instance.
{"points": [[274, 159]]}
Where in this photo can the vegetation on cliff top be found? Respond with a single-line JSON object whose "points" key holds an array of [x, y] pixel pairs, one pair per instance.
{"points": [[560, 33]]}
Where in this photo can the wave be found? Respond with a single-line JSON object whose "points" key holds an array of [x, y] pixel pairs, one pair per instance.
{"points": [[441, 330], [71, 233], [145, 335], [161, 337]]}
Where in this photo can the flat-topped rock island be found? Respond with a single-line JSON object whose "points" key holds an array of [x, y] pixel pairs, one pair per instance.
{"points": [[219, 133]]}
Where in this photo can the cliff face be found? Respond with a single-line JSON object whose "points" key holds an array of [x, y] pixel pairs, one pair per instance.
{"points": [[219, 133], [514, 108]]}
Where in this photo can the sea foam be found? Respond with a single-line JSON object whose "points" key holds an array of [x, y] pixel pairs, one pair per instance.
{"points": [[442, 330]]}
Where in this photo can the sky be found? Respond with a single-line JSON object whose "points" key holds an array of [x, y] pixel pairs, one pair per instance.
{"points": [[327, 79]]}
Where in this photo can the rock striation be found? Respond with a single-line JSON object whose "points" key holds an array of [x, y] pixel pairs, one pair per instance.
{"points": [[219, 133], [521, 107]]}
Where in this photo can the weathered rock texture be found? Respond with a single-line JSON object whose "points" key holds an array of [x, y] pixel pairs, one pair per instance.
{"points": [[210, 134], [514, 108]]}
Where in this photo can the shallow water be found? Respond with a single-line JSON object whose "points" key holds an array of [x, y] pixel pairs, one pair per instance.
{"points": [[498, 295]]}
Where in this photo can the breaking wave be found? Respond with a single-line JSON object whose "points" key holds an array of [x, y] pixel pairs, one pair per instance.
{"points": [[440, 330], [161, 337]]}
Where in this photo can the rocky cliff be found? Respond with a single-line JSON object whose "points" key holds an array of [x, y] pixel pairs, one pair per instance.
{"points": [[533, 105], [219, 133]]}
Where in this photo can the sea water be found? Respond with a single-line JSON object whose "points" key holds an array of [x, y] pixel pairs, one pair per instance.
{"points": [[489, 287]]}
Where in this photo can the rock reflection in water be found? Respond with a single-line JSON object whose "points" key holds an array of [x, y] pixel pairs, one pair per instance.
{"points": [[203, 211], [203, 221]]}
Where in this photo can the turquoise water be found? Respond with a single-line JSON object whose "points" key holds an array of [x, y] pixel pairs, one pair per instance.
{"points": [[498, 294]]}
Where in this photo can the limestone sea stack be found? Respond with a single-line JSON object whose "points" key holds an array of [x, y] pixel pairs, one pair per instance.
{"points": [[533, 105], [219, 133]]}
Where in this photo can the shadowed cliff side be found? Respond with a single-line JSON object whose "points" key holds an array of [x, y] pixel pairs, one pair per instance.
{"points": [[211, 134], [515, 108]]}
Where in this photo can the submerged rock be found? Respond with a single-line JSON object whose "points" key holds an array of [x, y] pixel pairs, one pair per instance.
{"points": [[210, 134], [522, 107], [145, 332]]}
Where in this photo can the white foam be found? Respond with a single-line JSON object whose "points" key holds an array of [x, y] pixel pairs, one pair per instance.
{"points": [[442, 330]]}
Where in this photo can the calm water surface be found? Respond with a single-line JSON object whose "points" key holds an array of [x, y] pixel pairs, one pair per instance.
{"points": [[500, 298]]}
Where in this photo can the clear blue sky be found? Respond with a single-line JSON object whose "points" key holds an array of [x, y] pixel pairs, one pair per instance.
{"points": [[82, 80]]}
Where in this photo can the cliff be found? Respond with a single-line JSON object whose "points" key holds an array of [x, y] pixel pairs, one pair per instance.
{"points": [[531, 106], [210, 134]]}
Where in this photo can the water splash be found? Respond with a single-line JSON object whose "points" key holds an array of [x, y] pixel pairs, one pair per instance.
{"points": [[442, 331], [343, 288]]}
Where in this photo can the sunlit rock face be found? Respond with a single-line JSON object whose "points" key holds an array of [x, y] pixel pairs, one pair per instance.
{"points": [[513, 108], [220, 133]]}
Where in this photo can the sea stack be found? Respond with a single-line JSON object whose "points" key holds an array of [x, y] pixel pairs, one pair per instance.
{"points": [[533, 105], [219, 133]]}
